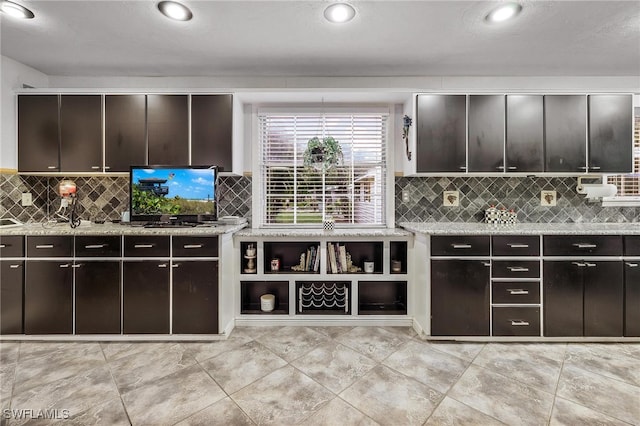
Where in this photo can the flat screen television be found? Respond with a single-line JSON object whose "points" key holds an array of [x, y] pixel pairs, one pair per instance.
{"points": [[173, 194]]}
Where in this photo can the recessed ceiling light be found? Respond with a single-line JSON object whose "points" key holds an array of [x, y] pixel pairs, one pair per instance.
{"points": [[15, 10], [175, 10], [503, 12], [339, 13]]}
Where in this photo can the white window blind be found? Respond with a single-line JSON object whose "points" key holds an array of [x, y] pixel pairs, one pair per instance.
{"points": [[629, 185], [351, 193]]}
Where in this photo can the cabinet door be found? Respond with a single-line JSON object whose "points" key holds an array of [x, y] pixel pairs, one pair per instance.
{"points": [[145, 297], [97, 297], [459, 298], [38, 133], [603, 299], [610, 133], [48, 297], [565, 127], [168, 129], [632, 299], [486, 133], [442, 139], [563, 294], [125, 128], [195, 297], [81, 133], [525, 133], [211, 130], [11, 296]]}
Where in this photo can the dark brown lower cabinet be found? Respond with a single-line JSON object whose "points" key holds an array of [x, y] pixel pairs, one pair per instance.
{"points": [[632, 299], [48, 297], [460, 297], [583, 298], [195, 297], [11, 296], [97, 297], [145, 297]]}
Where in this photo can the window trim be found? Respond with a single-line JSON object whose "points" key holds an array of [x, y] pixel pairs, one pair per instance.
{"points": [[313, 109]]}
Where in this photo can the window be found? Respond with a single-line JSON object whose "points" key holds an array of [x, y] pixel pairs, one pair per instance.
{"points": [[353, 192], [628, 185]]}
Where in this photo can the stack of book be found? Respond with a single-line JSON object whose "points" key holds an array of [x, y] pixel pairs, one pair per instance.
{"points": [[337, 258]]}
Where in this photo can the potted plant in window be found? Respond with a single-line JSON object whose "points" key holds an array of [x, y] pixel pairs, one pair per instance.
{"points": [[323, 154]]}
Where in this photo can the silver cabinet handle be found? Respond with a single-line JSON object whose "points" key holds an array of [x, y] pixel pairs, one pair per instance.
{"points": [[175, 265], [462, 168], [64, 265], [595, 167], [52, 167], [516, 291], [44, 246], [519, 323], [14, 266], [590, 265], [143, 246], [519, 245], [487, 264], [579, 264], [162, 265], [517, 269], [461, 246], [96, 246], [632, 265], [107, 167], [500, 167], [582, 167], [192, 246], [95, 167], [77, 265], [512, 168], [3, 245], [585, 245]]}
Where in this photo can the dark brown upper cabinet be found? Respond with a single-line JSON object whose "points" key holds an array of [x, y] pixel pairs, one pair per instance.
{"points": [[441, 137], [525, 125], [211, 131], [168, 129], [486, 133], [81, 133], [565, 127], [610, 133], [125, 131], [38, 133]]}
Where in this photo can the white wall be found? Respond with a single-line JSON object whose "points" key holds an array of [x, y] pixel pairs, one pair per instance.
{"points": [[13, 75]]}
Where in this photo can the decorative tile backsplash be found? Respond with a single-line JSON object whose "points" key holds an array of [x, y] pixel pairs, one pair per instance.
{"points": [[105, 198], [101, 198], [519, 193]]}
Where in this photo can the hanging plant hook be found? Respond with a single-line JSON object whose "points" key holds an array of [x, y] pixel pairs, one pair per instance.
{"points": [[406, 123]]}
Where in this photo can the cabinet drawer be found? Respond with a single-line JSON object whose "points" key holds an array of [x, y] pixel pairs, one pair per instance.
{"points": [[50, 246], [98, 246], [516, 246], [460, 246], [632, 245], [12, 246], [581, 245], [146, 246], [516, 321], [515, 292], [195, 246], [516, 269]]}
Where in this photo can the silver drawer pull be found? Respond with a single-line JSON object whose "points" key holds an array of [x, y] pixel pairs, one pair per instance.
{"points": [[582, 167], [107, 167], [3, 245], [461, 246], [632, 265], [519, 323], [143, 246], [590, 265], [52, 167], [512, 168], [44, 246], [64, 265], [519, 245], [462, 168], [175, 265], [517, 269], [14, 266], [190, 246], [517, 291], [595, 167], [77, 265], [95, 246], [487, 264], [579, 264], [585, 245], [95, 167], [162, 265]]}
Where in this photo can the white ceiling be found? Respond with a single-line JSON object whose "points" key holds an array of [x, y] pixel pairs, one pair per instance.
{"points": [[291, 38]]}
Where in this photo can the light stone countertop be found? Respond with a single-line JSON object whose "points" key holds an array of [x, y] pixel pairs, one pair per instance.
{"points": [[115, 229], [320, 233], [463, 228]]}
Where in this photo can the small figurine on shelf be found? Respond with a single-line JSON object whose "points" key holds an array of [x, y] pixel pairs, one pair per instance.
{"points": [[301, 266], [250, 255]]}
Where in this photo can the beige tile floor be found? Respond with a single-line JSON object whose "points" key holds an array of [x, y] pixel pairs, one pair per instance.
{"points": [[321, 376]]}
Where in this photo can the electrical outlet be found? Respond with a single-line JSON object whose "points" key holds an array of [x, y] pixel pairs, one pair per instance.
{"points": [[451, 199], [405, 195], [27, 199], [548, 198]]}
